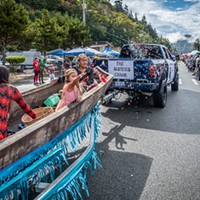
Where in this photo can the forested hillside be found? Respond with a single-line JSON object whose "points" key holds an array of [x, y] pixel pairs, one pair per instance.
{"points": [[49, 24]]}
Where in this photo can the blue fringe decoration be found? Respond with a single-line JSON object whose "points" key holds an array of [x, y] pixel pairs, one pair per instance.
{"points": [[73, 179], [41, 163]]}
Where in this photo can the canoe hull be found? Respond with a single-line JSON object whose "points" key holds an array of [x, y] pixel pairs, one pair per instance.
{"points": [[35, 135]]}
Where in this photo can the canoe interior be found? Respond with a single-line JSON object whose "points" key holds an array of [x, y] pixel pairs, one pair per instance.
{"points": [[35, 98], [30, 138]]}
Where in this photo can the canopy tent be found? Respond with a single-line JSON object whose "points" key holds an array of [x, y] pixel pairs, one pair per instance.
{"points": [[59, 52], [193, 53], [77, 51], [97, 53], [111, 52]]}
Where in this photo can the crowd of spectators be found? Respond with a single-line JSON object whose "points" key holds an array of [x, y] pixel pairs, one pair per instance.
{"points": [[193, 64]]}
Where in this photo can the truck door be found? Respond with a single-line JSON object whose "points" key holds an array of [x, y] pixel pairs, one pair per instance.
{"points": [[170, 64]]}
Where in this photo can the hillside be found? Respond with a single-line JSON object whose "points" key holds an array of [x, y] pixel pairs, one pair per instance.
{"points": [[105, 21], [183, 46]]}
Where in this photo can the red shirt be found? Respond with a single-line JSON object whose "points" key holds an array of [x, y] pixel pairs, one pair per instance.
{"points": [[7, 94], [36, 65]]}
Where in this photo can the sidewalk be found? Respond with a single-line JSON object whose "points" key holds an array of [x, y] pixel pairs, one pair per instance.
{"points": [[20, 76], [27, 75]]}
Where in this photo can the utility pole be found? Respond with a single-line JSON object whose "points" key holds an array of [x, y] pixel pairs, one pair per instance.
{"points": [[84, 9]]}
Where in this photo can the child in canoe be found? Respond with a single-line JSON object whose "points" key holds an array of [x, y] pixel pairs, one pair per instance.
{"points": [[71, 91]]}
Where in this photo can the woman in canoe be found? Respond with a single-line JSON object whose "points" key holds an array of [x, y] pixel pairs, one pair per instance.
{"points": [[87, 73], [8, 93]]}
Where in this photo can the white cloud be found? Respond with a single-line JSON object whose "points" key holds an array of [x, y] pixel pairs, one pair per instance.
{"points": [[171, 24], [173, 37]]}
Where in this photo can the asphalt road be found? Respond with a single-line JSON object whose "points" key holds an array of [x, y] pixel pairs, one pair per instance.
{"points": [[150, 153]]}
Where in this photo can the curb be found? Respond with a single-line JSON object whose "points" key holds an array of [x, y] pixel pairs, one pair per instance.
{"points": [[20, 77], [28, 76]]}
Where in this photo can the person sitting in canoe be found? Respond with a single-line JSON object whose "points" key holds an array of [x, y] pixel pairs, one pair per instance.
{"points": [[8, 93], [87, 79], [71, 91]]}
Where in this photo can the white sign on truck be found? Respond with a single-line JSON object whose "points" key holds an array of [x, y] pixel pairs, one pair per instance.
{"points": [[121, 69]]}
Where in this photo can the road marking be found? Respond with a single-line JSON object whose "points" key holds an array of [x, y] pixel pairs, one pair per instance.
{"points": [[180, 81], [195, 81]]}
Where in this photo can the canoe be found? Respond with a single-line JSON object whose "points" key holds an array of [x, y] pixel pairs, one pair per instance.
{"points": [[34, 98], [39, 174], [34, 136]]}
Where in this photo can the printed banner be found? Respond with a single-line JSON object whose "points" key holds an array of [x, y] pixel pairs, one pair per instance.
{"points": [[121, 69]]}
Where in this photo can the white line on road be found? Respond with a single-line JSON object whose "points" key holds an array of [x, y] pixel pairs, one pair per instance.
{"points": [[180, 81], [195, 81]]}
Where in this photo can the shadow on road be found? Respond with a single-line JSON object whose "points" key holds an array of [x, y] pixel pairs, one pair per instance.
{"points": [[124, 176], [179, 116]]}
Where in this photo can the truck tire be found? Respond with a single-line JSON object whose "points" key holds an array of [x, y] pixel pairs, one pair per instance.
{"points": [[175, 84], [160, 97]]}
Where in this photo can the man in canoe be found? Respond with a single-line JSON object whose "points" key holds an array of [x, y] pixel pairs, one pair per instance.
{"points": [[8, 93]]}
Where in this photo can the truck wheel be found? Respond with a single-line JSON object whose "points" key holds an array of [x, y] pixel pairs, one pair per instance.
{"points": [[175, 84], [160, 97]]}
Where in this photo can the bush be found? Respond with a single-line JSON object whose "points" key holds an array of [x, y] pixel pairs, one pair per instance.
{"points": [[13, 69], [15, 60]]}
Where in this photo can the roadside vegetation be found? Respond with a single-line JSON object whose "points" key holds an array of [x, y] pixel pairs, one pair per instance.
{"points": [[51, 24]]}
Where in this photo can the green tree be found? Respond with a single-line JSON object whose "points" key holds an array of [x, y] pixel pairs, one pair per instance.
{"points": [[13, 21], [119, 5], [46, 32], [78, 34], [196, 44]]}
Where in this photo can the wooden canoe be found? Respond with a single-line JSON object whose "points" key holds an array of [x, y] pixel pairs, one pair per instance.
{"points": [[30, 138], [34, 98]]}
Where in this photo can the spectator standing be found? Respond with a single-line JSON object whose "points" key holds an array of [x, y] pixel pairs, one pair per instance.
{"points": [[36, 69], [8, 93], [67, 63], [197, 71], [52, 72], [74, 61], [42, 69]]}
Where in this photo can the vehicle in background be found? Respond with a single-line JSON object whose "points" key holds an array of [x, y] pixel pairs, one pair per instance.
{"points": [[29, 57], [7, 64], [58, 60]]}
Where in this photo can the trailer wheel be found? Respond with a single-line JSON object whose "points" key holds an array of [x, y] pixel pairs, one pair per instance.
{"points": [[160, 97]]}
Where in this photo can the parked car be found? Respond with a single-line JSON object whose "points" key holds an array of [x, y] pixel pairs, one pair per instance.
{"points": [[7, 64], [58, 59]]}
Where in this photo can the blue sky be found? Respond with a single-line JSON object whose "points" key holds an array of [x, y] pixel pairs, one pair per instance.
{"points": [[178, 5], [171, 18]]}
